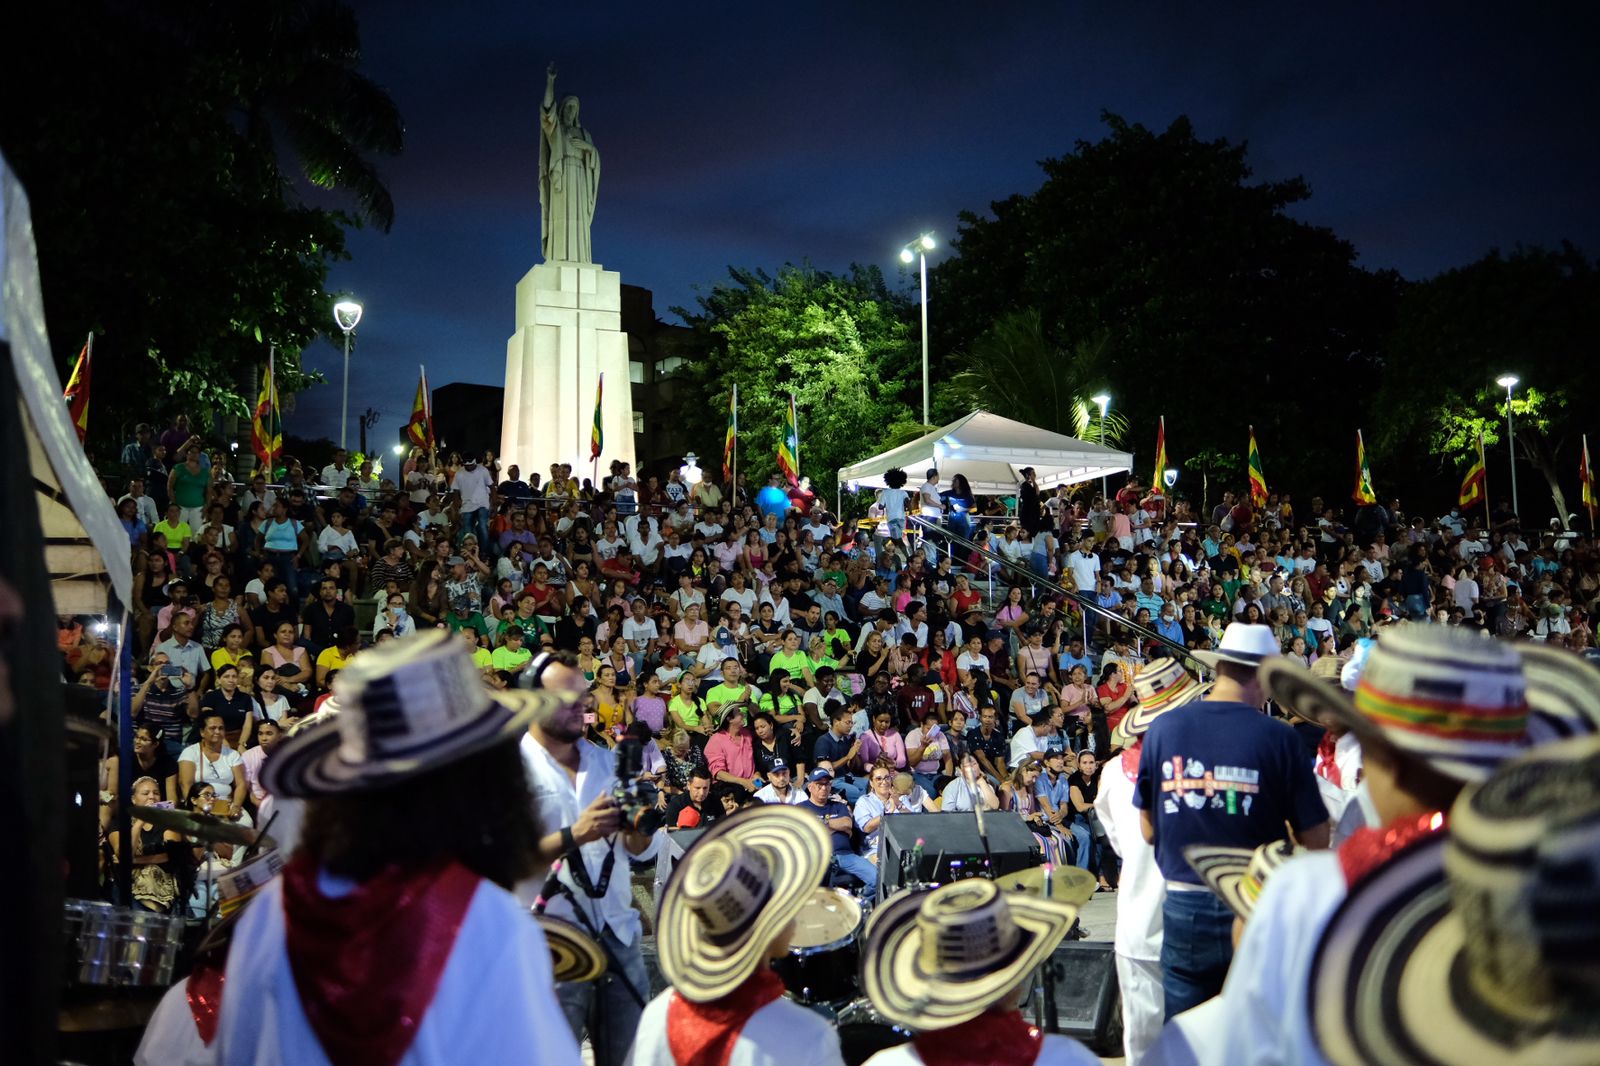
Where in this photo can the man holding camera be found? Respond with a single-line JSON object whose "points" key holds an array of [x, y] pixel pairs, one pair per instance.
{"points": [[572, 781]]}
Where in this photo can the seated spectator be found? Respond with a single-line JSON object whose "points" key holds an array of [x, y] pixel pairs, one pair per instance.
{"points": [[211, 762], [155, 880]]}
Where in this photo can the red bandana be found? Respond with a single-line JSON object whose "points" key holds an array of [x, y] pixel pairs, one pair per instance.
{"points": [[703, 1034], [1326, 766], [367, 964], [1130, 759], [1368, 849], [993, 1038], [204, 992]]}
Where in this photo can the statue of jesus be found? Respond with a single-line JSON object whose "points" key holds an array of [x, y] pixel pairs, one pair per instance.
{"points": [[569, 178]]}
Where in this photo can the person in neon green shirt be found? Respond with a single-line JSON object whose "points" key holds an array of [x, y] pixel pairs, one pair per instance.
{"points": [[689, 711], [511, 657], [174, 528], [731, 689], [791, 659]]}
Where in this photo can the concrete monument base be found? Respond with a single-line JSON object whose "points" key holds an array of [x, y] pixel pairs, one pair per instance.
{"points": [[569, 332]]}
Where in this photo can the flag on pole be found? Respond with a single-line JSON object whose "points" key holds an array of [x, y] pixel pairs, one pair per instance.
{"points": [[1258, 476], [731, 439], [1363, 492], [1159, 479], [266, 427], [419, 430], [1474, 487], [789, 447], [597, 435], [1586, 480], [77, 391]]}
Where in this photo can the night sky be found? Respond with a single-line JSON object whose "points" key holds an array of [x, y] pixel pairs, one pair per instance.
{"points": [[835, 132]]}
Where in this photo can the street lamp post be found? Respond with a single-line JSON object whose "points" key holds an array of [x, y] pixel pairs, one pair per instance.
{"points": [[1509, 382], [919, 249], [1104, 401], [347, 314]]}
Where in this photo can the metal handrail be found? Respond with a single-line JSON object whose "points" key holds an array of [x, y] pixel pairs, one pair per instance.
{"points": [[1085, 605]]}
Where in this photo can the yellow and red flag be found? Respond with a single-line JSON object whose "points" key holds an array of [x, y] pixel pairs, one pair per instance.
{"points": [[597, 435], [1363, 492], [77, 391], [266, 426], [1586, 479], [1159, 479], [1258, 476], [419, 430], [730, 440], [1474, 487]]}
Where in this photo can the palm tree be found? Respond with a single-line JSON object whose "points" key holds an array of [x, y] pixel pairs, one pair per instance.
{"points": [[299, 93], [1014, 371]]}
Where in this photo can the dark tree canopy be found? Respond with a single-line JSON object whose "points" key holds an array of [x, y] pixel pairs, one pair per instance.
{"points": [[160, 150], [1184, 289]]}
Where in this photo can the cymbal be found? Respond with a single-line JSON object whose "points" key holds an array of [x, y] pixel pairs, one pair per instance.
{"points": [[200, 826], [1068, 884]]}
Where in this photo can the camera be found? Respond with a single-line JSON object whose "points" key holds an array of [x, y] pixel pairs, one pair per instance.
{"points": [[636, 799]]}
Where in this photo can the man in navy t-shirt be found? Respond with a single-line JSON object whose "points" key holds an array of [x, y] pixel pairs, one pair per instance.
{"points": [[1218, 771], [836, 818]]}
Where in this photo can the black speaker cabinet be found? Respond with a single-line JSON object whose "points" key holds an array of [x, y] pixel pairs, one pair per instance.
{"points": [[951, 847], [1087, 1000]]}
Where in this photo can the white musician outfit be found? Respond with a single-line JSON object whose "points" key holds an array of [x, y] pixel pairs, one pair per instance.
{"points": [[1141, 890]]}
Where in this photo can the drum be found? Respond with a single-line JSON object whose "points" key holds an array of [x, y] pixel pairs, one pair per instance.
{"points": [[820, 968], [124, 946], [863, 1032]]}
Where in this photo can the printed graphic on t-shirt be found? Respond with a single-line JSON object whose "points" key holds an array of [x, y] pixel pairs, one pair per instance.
{"points": [[1186, 783]]}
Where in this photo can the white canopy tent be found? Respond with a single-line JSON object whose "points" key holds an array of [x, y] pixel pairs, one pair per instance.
{"points": [[991, 452], [86, 549]]}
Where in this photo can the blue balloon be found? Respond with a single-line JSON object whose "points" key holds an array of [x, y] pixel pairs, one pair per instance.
{"points": [[772, 500]]}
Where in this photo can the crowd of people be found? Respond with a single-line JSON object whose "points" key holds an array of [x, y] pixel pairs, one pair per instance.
{"points": [[1017, 654]]}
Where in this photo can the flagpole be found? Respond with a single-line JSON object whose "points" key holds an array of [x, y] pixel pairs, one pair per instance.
{"points": [[733, 486], [1488, 520]]}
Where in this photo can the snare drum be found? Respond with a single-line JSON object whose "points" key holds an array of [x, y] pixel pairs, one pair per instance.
{"points": [[824, 955], [127, 947]]}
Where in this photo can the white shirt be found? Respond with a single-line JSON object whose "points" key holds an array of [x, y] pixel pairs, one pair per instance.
{"points": [[474, 486], [1141, 890], [171, 1038], [1264, 1015], [782, 1033], [746, 599], [558, 803], [639, 634], [336, 476], [218, 774], [342, 539], [495, 1001], [767, 794], [1024, 742], [1085, 570], [1055, 1051], [932, 503]]}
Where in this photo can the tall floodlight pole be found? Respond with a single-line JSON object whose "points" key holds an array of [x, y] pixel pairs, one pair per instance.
{"points": [[919, 249], [1509, 382], [347, 314], [1104, 401]]}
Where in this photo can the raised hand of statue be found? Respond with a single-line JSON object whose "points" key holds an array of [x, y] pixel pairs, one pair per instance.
{"points": [[550, 71]]}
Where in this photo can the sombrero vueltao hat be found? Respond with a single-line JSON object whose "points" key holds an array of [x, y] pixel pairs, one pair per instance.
{"points": [[405, 708], [1458, 701], [237, 885], [1480, 944], [574, 957], [733, 891], [1159, 686], [936, 958], [1237, 875]]}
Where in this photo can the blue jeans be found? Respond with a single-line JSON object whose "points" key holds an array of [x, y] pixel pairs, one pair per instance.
{"points": [[1417, 607], [1085, 841], [859, 867], [850, 790], [283, 563], [612, 1021], [477, 523], [1196, 948]]}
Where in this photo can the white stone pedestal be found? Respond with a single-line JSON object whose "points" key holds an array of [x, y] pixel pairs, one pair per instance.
{"points": [[569, 332]]}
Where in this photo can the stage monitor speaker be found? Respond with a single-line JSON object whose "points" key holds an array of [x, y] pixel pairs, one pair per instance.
{"points": [[1087, 999], [951, 848]]}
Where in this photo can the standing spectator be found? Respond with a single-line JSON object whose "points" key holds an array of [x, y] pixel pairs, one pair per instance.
{"points": [[1219, 749], [472, 485], [1030, 508]]}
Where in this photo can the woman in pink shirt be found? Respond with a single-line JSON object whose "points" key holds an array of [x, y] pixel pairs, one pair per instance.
{"points": [[729, 754], [882, 740]]}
